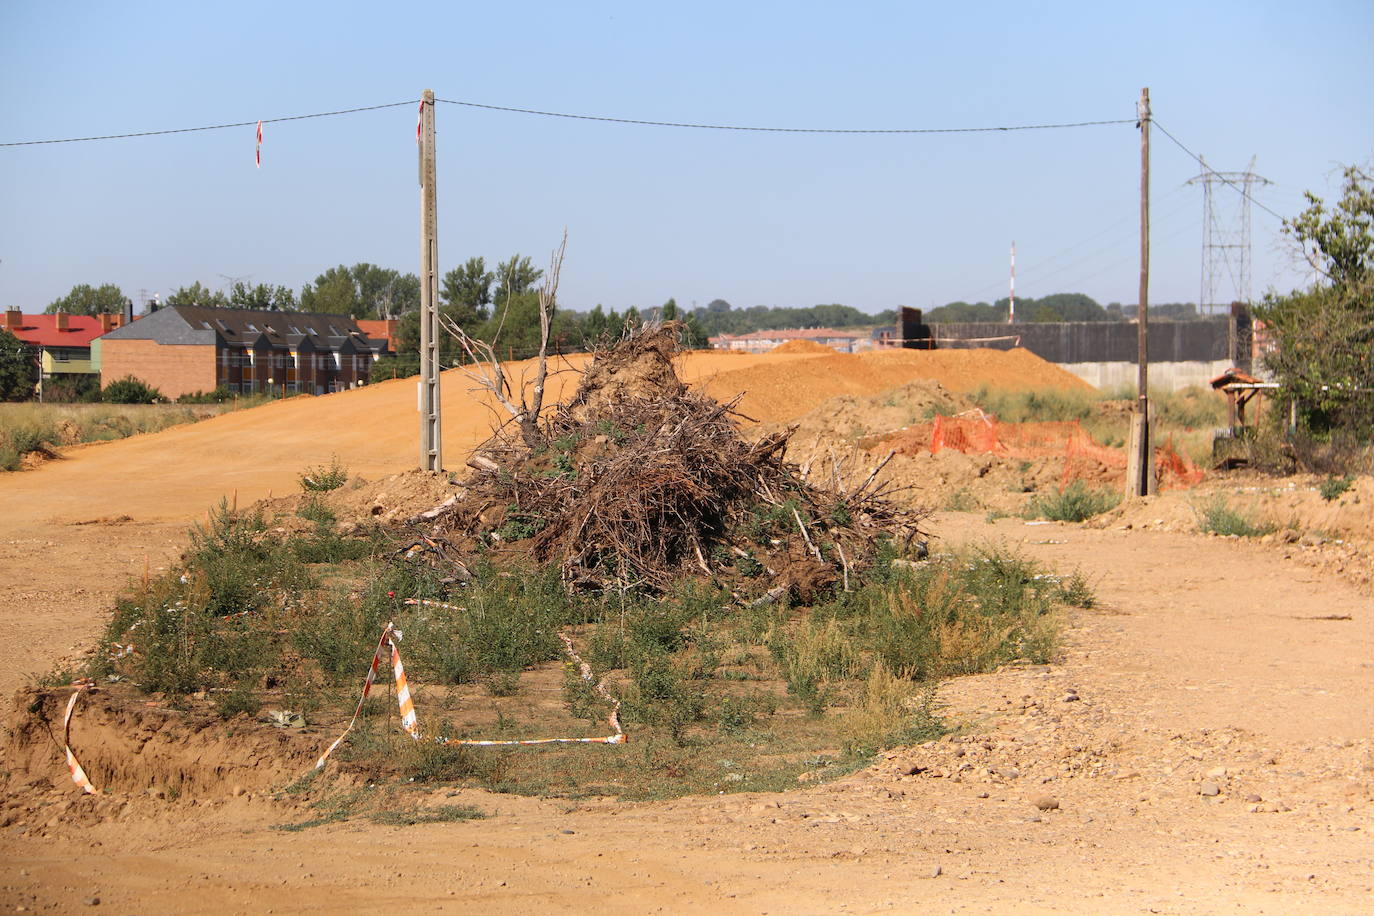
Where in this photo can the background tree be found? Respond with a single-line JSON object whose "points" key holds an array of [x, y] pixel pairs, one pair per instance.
{"points": [[262, 296], [18, 368], [89, 300], [514, 277], [1322, 338], [195, 294], [466, 292], [362, 291]]}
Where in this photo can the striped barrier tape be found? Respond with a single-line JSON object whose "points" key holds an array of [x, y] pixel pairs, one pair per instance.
{"points": [[367, 688], [73, 765], [391, 636], [426, 602]]}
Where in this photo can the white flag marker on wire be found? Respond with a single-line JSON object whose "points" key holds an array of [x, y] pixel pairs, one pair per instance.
{"points": [[258, 153]]}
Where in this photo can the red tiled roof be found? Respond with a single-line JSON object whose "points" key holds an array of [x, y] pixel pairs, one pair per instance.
{"points": [[41, 331]]}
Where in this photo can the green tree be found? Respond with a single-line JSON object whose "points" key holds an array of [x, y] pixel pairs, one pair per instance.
{"points": [[693, 337], [466, 292], [18, 368], [334, 291], [89, 300], [1322, 338], [594, 327], [195, 294], [514, 277], [362, 291], [669, 311], [262, 296]]}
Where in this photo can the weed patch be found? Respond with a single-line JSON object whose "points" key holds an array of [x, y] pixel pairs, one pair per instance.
{"points": [[1218, 517], [1075, 503]]}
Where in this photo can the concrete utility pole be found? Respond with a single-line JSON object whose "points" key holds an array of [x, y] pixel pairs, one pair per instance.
{"points": [[431, 441], [1140, 472]]}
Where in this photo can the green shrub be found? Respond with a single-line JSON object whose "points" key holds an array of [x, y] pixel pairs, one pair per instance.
{"points": [[818, 655], [960, 614], [316, 510], [890, 710], [239, 700], [962, 500], [1074, 503], [241, 564], [324, 478], [1332, 487], [28, 437], [219, 395], [130, 390], [660, 696], [1219, 518]]}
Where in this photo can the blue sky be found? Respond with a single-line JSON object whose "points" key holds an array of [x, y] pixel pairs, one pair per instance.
{"points": [[652, 212]]}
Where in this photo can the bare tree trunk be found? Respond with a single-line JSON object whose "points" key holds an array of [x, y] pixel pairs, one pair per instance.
{"points": [[489, 373]]}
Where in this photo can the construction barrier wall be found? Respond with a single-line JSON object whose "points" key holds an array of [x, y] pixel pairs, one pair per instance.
{"points": [[1204, 340]]}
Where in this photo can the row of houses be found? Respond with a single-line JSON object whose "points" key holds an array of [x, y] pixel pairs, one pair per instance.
{"points": [[184, 349]]}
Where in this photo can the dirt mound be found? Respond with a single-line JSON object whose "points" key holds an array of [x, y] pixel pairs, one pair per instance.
{"points": [[389, 501], [641, 481], [128, 746], [776, 393], [804, 346]]}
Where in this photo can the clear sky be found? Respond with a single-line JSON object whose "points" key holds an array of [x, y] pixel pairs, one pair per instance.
{"points": [[652, 212]]}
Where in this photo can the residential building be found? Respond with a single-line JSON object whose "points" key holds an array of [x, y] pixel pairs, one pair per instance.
{"points": [[382, 331], [62, 342], [183, 349]]}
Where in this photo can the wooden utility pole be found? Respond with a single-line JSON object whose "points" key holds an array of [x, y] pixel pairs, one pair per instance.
{"points": [[431, 442], [1140, 472]]}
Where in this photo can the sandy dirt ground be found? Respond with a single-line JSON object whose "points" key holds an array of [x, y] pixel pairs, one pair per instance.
{"points": [[1204, 745]]}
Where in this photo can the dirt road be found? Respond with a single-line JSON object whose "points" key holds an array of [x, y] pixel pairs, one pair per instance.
{"points": [[1203, 747], [1209, 662]]}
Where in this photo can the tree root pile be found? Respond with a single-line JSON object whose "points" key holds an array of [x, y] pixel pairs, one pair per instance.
{"points": [[640, 483]]}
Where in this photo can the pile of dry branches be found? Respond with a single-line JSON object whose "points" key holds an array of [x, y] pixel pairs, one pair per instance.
{"points": [[639, 482]]}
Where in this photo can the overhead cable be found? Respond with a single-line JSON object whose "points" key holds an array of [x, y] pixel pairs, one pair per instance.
{"points": [[190, 130], [1218, 175], [784, 130]]}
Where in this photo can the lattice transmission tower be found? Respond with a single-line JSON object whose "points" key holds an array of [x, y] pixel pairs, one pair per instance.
{"points": [[1225, 234]]}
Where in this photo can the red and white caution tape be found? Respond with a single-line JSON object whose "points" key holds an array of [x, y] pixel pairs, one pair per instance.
{"points": [[367, 688], [73, 765], [426, 602], [391, 636]]}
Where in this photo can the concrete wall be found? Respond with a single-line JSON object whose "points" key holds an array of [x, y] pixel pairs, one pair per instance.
{"points": [[1163, 376], [1103, 353], [1068, 342], [172, 369]]}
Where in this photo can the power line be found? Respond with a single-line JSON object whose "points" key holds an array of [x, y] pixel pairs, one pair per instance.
{"points": [[190, 130], [1207, 168], [578, 117], [783, 130]]}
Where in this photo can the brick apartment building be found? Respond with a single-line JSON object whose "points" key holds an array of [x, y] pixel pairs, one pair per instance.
{"points": [[183, 349]]}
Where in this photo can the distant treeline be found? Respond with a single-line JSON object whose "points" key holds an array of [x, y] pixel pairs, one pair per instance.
{"points": [[719, 317]]}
